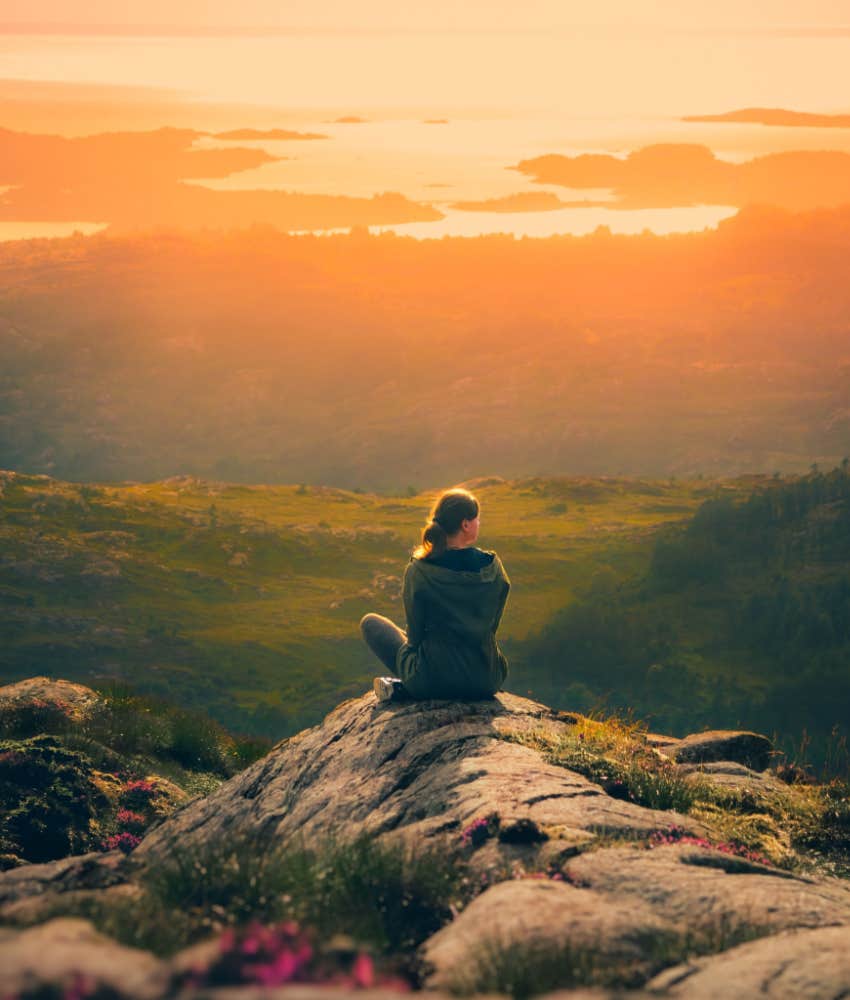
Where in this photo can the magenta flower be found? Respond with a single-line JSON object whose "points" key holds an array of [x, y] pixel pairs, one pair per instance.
{"points": [[279, 954], [121, 841], [479, 830], [79, 988], [134, 822], [363, 972], [677, 835]]}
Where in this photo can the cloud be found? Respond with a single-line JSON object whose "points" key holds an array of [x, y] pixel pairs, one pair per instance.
{"points": [[674, 175]]}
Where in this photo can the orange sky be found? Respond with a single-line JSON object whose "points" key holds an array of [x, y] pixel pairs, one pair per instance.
{"points": [[510, 83], [441, 15]]}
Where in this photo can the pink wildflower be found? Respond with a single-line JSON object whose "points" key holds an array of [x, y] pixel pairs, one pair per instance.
{"points": [[677, 835], [363, 972], [121, 841], [133, 821], [140, 786], [478, 831]]}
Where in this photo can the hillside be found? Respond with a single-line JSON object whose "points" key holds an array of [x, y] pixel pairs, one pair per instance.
{"points": [[244, 601], [492, 847], [383, 362], [742, 616], [690, 603]]}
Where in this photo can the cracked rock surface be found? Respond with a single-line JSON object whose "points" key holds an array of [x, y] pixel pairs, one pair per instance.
{"points": [[423, 772], [811, 964], [420, 769], [700, 888]]}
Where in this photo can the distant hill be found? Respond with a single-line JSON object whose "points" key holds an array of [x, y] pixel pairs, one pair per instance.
{"points": [[775, 116]]}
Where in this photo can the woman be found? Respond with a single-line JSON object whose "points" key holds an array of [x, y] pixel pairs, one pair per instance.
{"points": [[454, 595]]}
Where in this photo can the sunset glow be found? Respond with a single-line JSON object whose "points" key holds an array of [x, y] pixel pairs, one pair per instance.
{"points": [[276, 275]]}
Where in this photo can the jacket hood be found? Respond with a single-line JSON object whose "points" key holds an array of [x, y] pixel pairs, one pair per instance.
{"points": [[441, 576]]}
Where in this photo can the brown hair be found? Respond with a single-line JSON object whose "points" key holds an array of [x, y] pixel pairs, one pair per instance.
{"points": [[450, 510]]}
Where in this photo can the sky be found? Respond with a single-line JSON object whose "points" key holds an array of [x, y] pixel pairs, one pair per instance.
{"points": [[439, 15]]}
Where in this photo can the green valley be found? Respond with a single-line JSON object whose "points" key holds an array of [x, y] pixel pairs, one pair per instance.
{"points": [[244, 601]]}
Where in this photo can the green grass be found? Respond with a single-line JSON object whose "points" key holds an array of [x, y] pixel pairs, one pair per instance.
{"points": [[244, 601], [387, 897], [613, 753], [802, 827]]}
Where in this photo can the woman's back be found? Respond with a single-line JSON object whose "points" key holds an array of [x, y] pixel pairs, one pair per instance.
{"points": [[454, 596], [452, 617]]}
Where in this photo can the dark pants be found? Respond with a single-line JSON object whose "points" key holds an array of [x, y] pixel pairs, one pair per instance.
{"points": [[384, 638]]}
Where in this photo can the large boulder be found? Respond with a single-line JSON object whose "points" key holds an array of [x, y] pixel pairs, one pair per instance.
{"points": [[523, 916], [814, 964], [34, 691], [422, 770], [72, 958], [711, 892], [750, 749], [625, 912]]}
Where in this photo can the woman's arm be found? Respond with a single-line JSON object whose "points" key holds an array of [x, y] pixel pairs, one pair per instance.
{"points": [[506, 586], [413, 610]]}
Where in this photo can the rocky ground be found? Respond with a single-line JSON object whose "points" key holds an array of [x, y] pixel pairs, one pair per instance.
{"points": [[603, 857]]}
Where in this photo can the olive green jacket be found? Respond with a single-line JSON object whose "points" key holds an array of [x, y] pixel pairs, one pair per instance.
{"points": [[452, 617]]}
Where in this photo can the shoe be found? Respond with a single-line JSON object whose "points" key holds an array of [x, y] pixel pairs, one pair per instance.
{"points": [[387, 688]]}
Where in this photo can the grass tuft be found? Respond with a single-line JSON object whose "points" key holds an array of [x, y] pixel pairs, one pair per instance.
{"points": [[388, 897]]}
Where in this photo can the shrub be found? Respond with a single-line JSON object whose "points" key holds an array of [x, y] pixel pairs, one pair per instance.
{"points": [[34, 717], [47, 801]]}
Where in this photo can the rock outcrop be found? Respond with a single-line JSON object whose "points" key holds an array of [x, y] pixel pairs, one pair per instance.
{"points": [[814, 964], [751, 749], [423, 770], [562, 860], [76, 697], [70, 954]]}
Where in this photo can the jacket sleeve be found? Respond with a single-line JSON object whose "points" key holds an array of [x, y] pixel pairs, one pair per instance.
{"points": [[413, 610], [506, 586]]}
